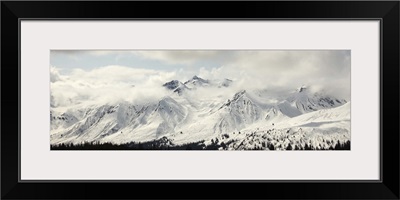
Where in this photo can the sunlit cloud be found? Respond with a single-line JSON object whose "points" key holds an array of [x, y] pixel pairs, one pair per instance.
{"points": [[271, 70]]}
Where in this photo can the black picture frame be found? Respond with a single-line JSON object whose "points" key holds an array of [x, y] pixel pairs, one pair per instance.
{"points": [[385, 11]]}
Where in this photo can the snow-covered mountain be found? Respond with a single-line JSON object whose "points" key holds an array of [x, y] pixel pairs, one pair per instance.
{"points": [[196, 81], [120, 123], [183, 118], [305, 101], [176, 86], [225, 83]]}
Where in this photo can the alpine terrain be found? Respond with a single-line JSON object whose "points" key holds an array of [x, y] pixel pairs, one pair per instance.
{"points": [[299, 119]]}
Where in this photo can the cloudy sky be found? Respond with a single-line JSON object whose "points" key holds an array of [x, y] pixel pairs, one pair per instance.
{"points": [[89, 74]]}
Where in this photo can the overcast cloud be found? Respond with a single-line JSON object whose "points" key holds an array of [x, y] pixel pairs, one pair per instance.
{"points": [[138, 75]]}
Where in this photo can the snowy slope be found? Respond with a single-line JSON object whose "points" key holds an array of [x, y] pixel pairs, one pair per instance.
{"points": [[305, 101], [123, 122], [187, 118], [322, 129]]}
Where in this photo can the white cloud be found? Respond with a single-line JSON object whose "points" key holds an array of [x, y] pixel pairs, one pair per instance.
{"points": [[273, 70], [109, 84], [54, 74], [286, 70]]}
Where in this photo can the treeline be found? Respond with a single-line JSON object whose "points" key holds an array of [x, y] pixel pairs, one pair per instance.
{"points": [[338, 146], [151, 145], [163, 145], [270, 146]]}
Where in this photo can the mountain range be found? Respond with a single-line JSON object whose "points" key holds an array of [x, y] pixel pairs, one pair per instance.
{"points": [[245, 120]]}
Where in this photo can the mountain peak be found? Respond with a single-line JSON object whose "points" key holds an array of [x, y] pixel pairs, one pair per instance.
{"points": [[226, 83], [172, 84], [306, 100], [196, 81], [302, 88], [197, 78], [238, 94]]}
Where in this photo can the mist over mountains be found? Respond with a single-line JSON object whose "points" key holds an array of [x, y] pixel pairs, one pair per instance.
{"points": [[200, 99], [210, 113]]}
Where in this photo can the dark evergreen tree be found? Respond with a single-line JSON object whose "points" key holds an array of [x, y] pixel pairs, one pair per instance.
{"points": [[338, 146], [270, 146]]}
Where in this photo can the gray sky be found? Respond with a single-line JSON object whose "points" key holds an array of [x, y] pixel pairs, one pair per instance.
{"points": [[276, 70]]}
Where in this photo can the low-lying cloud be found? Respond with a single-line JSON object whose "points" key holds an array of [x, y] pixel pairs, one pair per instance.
{"points": [[271, 70], [107, 85]]}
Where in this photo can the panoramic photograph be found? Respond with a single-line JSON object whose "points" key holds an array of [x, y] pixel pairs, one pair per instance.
{"points": [[270, 100]]}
